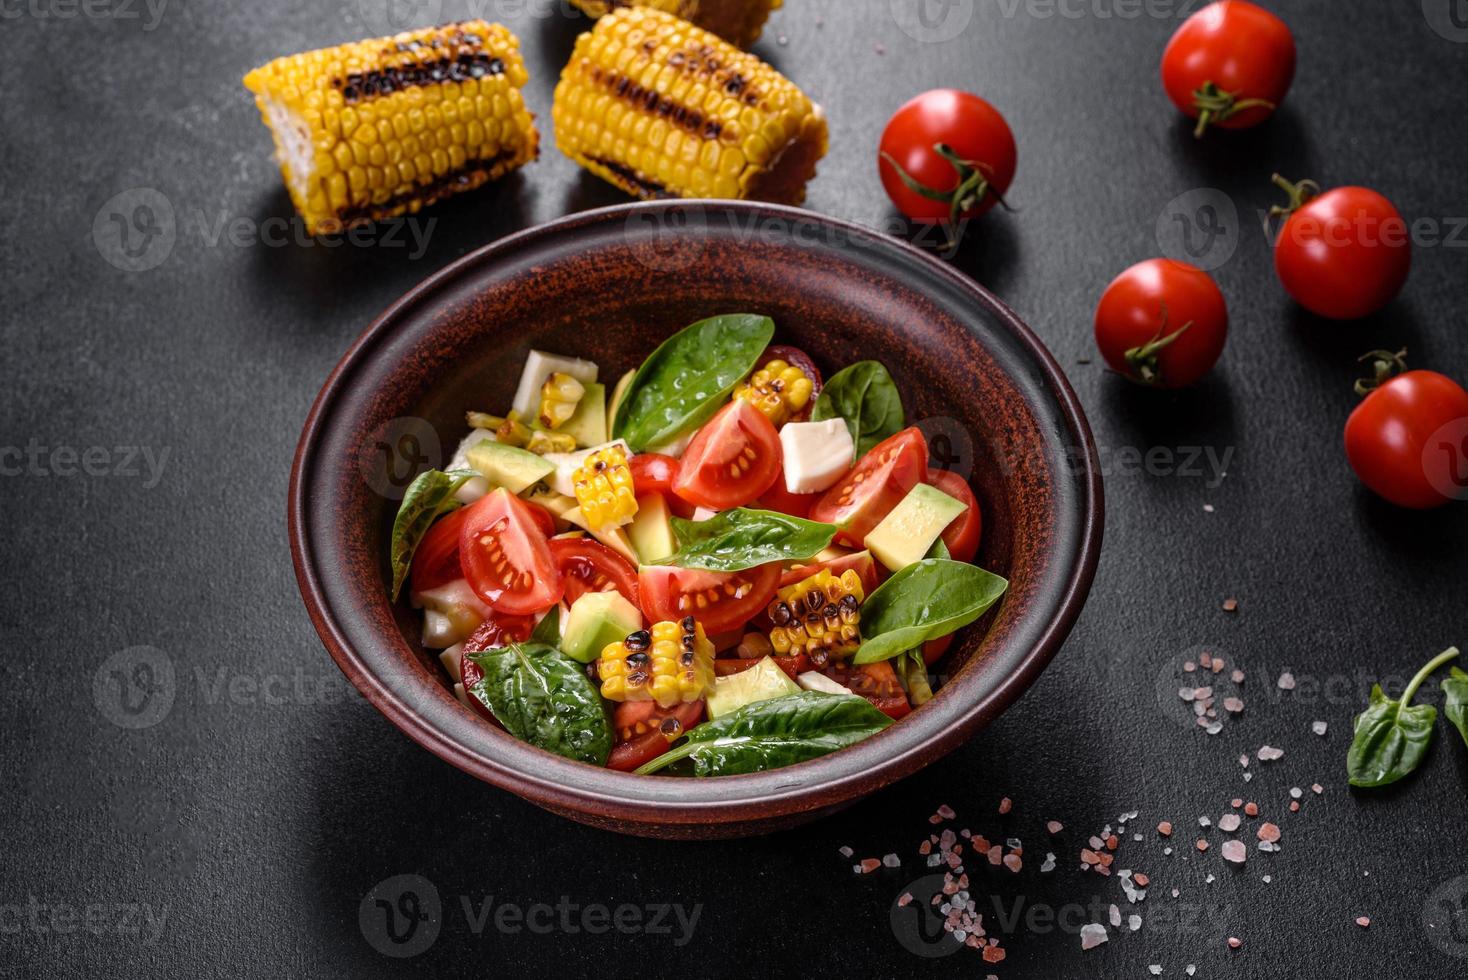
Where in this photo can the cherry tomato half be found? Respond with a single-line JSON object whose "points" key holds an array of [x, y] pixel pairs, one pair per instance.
{"points": [[645, 731], [961, 537], [1229, 65], [1408, 441], [496, 631], [862, 561], [876, 682], [874, 486], [506, 557], [1162, 323], [1343, 254], [655, 473], [732, 460], [729, 599], [782, 501], [956, 152], [590, 566], [436, 562]]}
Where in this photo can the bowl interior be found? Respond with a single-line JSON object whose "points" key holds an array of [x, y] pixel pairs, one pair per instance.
{"points": [[610, 286]]}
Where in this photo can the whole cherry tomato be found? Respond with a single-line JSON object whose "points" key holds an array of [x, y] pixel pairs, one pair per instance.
{"points": [[1229, 65], [1162, 323], [946, 155], [1408, 440], [1343, 254]]}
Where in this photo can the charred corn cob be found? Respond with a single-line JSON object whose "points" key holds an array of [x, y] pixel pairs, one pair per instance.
{"points": [[559, 397], [672, 663], [384, 127], [819, 616], [779, 390], [665, 109], [604, 489], [737, 21]]}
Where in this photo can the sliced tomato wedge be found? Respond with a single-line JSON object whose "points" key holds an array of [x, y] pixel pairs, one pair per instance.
{"points": [[961, 538], [645, 731], [782, 501], [436, 562], [877, 683], [874, 486], [496, 631], [721, 601], [866, 567], [732, 460], [655, 473], [590, 566], [933, 650], [506, 557], [796, 357]]}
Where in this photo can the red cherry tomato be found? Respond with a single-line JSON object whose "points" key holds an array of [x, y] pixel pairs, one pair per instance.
{"points": [[590, 566], [1343, 254], [506, 557], [436, 562], [655, 473], [1162, 323], [796, 357], [496, 631], [782, 501], [876, 682], [933, 650], [874, 486], [956, 152], [645, 731], [1229, 65], [729, 599], [732, 460], [1408, 441], [961, 537]]}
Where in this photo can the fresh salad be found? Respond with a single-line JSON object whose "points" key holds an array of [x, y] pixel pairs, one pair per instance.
{"points": [[730, 564]]}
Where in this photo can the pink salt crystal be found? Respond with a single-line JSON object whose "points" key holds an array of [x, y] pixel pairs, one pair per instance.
{"points": [[1013, 862], [996, 855], [1234, 943], [1206, 660], [1054, 827], [1234, 705], [1005, 805], [868, 865], [904, 900], [1089, 857], [1238, 676], [1230, 605], [1229, 822], [1268, 832], [1251, 809], [1317, 789], [1294, 806], [1363, 922], [946, 812], [1189, 667], [1236, 803], [1235, 851], [1202, 845], [1093, 935], [1287, 681], [1165, 829]]}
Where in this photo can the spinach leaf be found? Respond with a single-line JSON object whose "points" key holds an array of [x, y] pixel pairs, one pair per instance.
{"points": [[429, 497], [913, 672], [938, 550], [548, 630], [778, 732], [689, 377], [924, 601], [1455, 688], [1392, 737], [543, 697], [743, 538], [865, 395]]}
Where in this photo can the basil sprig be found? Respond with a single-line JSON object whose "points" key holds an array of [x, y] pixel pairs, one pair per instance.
{"points": [[429, 497], [543, 697], [1392, 737], [689, 377], [924, 601], [742, 538], [866, 397], [774, 733], [1455, 689]]}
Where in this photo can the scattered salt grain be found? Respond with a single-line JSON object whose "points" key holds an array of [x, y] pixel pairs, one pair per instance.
{"points": [[1234, 851], [1237, 676], [1048, 865], [1268, 879], [904, 900], [891, 861], [1204, 822], [868, 865], [1054, 827], [1296, 792], [1286, 681], [1319, 727], [1233, 705], [1269, 754], [1202, 845], [1134, 922], [1234, 942], [1093, 935], [1013, 862], [1251, 809], [1207, 508], [1005, 805], [1164, 828], [1229, 822], [1155, 969], [1230, 605], [1190, 969], [1176, 892], [1167, 851], [946, 812], [1189, 667], [1115, 915], [846, 852], [1363, 922], [1317, 789], [1268, 832]]}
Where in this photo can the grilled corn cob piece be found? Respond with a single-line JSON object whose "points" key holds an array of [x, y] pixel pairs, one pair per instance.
{"points": [[604, 489], [542, 442], [559, 397], [819, 616], [779, 390], [736, 21], [383, 127], [664, 109], [672, 663], [508, 430]]}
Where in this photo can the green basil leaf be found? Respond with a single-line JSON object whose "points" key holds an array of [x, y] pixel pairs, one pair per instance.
{"points": [[1455, 688], [543, 697], [924, 601], [548, 630], [774, 733], [865, 395], [737, 539], [429, 497], [938, 550], [689, 377], [1390, 740]]}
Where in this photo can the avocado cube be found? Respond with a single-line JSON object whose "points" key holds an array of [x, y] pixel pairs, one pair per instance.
{"points": [[906, 534]]}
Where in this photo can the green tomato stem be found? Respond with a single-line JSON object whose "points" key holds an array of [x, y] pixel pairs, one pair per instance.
{"points": [[1384, 365], [1300, 192], [1449, 654]]}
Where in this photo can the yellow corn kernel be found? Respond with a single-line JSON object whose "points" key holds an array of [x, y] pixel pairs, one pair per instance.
{"points": [[779, 390], [509, 430], [383, 96], [662, 108], [673, 663], [542, 442], [559, 397], [819, 616], [737, 21], [604, 489]]}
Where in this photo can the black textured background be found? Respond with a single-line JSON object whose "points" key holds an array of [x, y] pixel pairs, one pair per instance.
{"points": [[252, 826]]}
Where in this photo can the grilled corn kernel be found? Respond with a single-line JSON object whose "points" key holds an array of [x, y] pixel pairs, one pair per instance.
{"points": [[672, 663], [779, 390], [604, 489], [819, 616], [737, 21], [664, 109], [509, 430], [384, 127], [542, 442], [559, 397]]}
